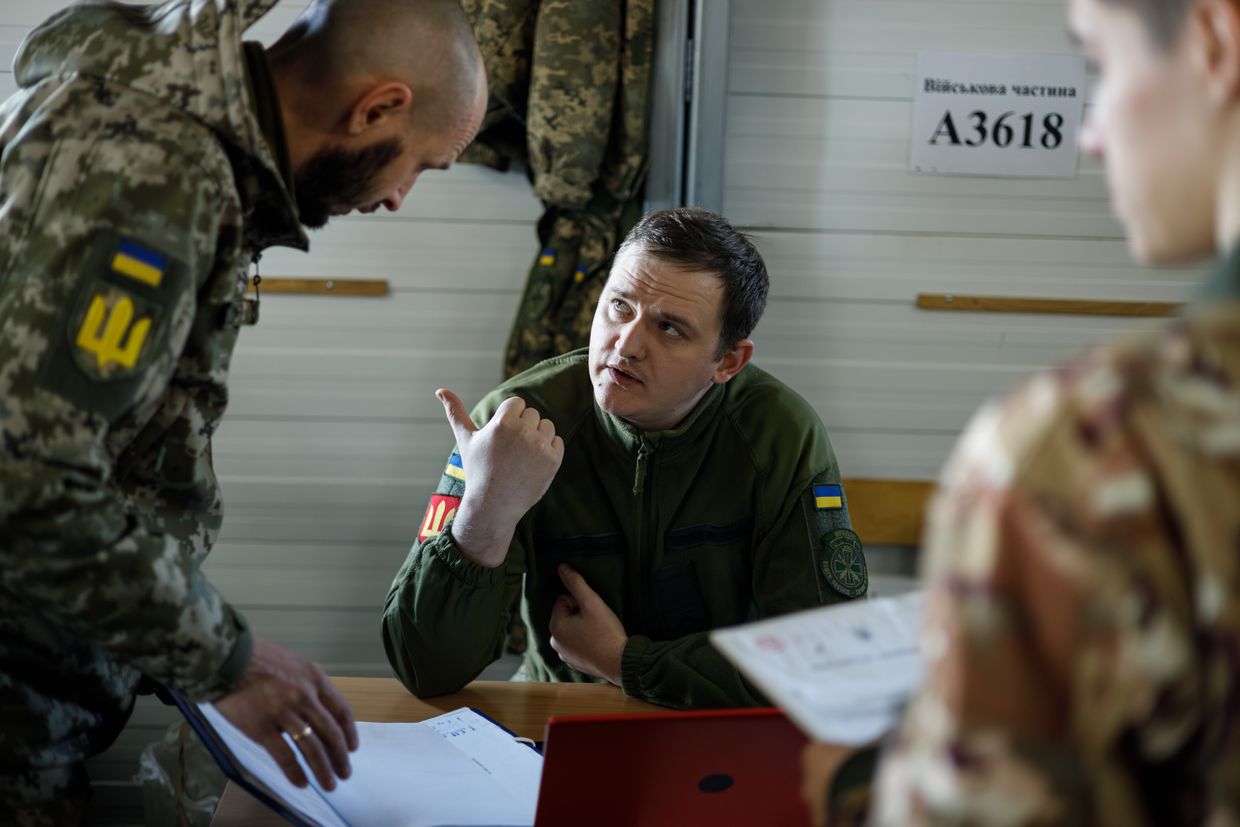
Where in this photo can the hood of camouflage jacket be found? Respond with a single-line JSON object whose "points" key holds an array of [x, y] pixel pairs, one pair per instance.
{"points": [[190, 55]]}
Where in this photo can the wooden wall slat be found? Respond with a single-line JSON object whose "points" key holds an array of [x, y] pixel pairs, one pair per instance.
{"points": [[322, 287], [1064, 307]]}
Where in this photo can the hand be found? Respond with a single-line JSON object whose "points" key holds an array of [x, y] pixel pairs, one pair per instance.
{"points": [[281, 692], [819, 763], [509, 465], [585, 632]]}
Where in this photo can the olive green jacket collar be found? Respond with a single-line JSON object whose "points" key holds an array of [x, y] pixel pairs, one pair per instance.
{"points": [[669, 442]]}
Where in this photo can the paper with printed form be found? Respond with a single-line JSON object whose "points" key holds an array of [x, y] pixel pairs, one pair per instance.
{"points": [[459, 768], [841, 672]]}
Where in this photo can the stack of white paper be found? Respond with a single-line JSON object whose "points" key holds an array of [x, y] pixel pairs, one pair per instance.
{"points": [[458, 769], [842, 672]]}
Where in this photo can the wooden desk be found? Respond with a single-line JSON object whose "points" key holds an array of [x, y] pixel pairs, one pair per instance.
{"points": [[522, 707]]}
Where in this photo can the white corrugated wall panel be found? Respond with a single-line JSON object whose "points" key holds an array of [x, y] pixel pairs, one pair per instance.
{"points": [[816, 166]]}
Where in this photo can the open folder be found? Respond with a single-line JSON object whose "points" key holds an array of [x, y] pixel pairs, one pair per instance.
{"points": [[841, 672], [460, 768]]}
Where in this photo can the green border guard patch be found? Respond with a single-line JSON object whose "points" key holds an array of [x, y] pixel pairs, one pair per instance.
{"points": [[842, 563]]}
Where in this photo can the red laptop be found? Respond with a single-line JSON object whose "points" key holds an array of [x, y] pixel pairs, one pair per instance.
{"points": [[718, 767]]}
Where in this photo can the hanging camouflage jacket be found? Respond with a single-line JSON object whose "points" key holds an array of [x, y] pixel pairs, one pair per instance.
{"points": [[569, 99], [136, 181]]}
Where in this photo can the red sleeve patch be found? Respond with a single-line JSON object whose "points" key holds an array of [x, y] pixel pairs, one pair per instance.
{"points": [[438, 513]]}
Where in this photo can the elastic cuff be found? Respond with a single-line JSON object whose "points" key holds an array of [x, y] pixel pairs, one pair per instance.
{"points": [[632, 664], [445, 549]]}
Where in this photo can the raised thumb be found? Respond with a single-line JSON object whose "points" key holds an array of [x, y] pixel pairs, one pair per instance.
{"points": [[458, 417]]}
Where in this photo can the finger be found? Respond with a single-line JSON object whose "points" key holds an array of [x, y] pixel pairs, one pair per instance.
{"points": [[339, 709], [511, 408], [560, 609], [311, 749], [458, 417], [546, 429], [282, 754], [330, 738], [576, 584], [531, 419]]}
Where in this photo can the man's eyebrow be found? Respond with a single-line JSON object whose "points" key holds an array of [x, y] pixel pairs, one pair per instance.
{"points": [[676, 320]]}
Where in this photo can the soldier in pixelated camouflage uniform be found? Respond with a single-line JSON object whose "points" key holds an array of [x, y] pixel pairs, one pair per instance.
{"points": [[1083, 554], [142, 164], [569, 94]]}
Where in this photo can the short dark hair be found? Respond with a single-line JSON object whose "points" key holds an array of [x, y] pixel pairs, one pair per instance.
{"points": [[1163, 19], [698, 239]]}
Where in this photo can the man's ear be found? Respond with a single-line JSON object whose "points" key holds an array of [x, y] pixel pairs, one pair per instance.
{"points": [[733, 361], [1214, 26], [379, 105]]}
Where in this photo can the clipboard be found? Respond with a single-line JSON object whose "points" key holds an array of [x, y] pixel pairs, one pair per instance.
{"points": [[495, 781], [228, 764]]}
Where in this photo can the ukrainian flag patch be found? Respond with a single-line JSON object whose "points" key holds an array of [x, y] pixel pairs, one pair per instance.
{"points": [[547, 258], [139, 263], [828, 497], [454, 468]]}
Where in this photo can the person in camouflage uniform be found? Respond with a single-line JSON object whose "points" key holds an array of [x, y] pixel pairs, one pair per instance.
{"points": [[149, 155], [1083, 554]]}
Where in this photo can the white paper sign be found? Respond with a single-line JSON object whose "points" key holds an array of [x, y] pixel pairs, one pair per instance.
{"points": [[1015, 116]]}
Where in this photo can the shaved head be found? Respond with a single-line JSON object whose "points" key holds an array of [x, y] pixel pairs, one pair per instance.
{"points": [[372, 94], [426, 44]]}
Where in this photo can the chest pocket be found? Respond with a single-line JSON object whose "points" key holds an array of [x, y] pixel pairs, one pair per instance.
{"points": [[599, 558], [706, 579]]}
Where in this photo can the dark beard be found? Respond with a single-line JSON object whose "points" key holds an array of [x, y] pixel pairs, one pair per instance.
{"points": [[336, 177]]}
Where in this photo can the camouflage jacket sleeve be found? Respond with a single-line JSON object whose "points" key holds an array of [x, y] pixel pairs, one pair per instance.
{"points": [[108, 236], [805, 555], [446, 616], [1064, 663], [985, 740]]}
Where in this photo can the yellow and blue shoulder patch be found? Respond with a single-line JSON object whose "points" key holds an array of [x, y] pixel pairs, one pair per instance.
{"points": [[546, 258], [828, 497], [838, 554], [116, 325], [454, 468], [452, 483], [139, 262]]}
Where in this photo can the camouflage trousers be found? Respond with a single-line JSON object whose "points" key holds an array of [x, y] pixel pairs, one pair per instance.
{"points": [[66, 805]]}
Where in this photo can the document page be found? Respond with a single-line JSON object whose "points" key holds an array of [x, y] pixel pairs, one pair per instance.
{"points": [[304, 801], [842, 672], [413, 775], [458, 769], [513, 765]]}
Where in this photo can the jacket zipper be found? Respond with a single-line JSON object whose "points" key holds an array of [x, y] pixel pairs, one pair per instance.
{"points": [[641, 567], [643, 455]]}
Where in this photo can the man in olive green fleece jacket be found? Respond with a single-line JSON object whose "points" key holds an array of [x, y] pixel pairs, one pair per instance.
{"points": [[637, 494]]}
